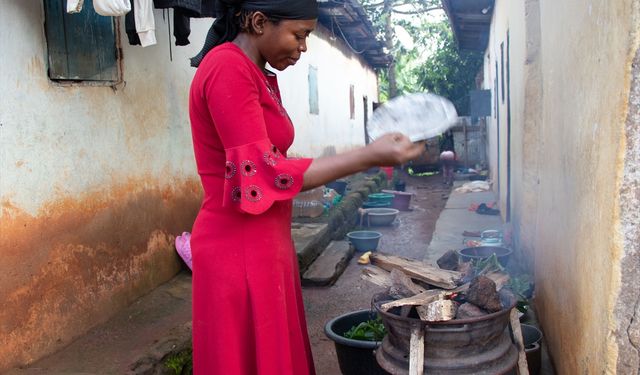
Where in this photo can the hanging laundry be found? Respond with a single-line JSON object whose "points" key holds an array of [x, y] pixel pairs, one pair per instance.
{"points": [[74, 6], [130, 26], [112, 8], [181, 27], [208, 8], [145, 23], [190, 7]]}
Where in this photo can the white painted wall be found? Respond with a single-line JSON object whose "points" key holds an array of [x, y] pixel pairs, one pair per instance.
{"points": [[338, 67]]}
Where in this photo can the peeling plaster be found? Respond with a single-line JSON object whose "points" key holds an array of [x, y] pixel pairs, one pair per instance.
{"points": [[627, 308]]}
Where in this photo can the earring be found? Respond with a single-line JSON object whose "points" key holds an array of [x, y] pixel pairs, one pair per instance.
{"points": [[259, 31]]}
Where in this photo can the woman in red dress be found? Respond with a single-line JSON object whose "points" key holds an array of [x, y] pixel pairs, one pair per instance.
{"points": [[248, 316]]}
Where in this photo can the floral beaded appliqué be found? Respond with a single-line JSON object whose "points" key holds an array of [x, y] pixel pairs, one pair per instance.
{"points": [[229, 170], [271, 157], [274, 96], [284, 181], [253, 193], [236, 194], [248, 168]]}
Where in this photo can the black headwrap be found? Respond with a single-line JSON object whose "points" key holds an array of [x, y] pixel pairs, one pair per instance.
{"points": [[225, 29]]}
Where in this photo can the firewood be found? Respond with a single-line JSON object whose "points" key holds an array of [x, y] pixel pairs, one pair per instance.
{"points": [[377, 276], [419, 299], [523, 369], [499, 278], [399, 277], [416, 350], [415, 269], [441, 311]]}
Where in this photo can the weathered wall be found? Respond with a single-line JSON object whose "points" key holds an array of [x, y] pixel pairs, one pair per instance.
{"points": [[627, 305], [573, 182], [338, 67], [95, 182], [585, 61]]}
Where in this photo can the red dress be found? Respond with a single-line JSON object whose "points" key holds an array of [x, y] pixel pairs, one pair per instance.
{"points": [[248, 316]]}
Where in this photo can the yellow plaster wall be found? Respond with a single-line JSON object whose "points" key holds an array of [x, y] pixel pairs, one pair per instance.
{"points": [[585, 60], [569, 88]]}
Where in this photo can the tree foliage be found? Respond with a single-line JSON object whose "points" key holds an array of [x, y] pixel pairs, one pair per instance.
{"points": [[432, 62]]}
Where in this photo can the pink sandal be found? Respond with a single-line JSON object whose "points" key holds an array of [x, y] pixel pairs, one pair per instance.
{"points": [[183, 247]]}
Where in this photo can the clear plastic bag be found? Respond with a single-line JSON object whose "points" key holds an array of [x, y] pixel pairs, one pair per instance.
{"points": [[419, 116]]}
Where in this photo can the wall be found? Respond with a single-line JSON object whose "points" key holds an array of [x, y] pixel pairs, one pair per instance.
{"points": [[586, 83], [338, 67], [573, 178], [95, 182]]}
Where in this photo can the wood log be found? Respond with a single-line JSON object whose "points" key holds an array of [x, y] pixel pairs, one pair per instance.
{"points": [[376, 276], [523, 369], [415, 269], [400, 278], [441, 311], [416, 350], [500, 278], [424, 298]]}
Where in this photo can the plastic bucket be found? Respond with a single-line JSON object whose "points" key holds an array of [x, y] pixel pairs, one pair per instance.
{"points": [[355, 357], [532, 338]]}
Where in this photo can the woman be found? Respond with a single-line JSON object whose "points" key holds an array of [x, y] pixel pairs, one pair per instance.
{"points": [[248, 316]]}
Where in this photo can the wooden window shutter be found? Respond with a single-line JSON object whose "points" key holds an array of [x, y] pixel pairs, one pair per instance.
{"points": [[81, 46]]}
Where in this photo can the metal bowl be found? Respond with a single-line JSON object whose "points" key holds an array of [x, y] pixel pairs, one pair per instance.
{"points": [[484, 252]]}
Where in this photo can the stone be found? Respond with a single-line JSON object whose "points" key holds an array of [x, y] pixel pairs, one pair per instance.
{"points": [[468, 310], [482, 293], [448, 261], [326, 269]]}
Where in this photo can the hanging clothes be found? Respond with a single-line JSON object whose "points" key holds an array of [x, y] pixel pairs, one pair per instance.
{"points": [[208, 8], [181, 26], [130, 26], [190, 7], [112, 8], [74, 6], [145, 23]]}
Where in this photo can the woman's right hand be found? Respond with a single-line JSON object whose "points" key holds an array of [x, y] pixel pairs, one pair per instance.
{"points": [[393, 149]]}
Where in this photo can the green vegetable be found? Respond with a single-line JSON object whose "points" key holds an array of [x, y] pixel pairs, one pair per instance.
{"points": [[488, 265], [371, 330]]}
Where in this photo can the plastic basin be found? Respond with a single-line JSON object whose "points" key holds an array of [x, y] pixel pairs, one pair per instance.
{"points": [[380, 197], [381, 216], [369, 204], [364, 240]]}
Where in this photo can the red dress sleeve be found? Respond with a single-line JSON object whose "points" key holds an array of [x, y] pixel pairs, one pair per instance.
{"points": [[257, 173]]}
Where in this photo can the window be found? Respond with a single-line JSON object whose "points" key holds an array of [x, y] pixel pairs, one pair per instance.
{"points": [[352, 102], [313, 90], [81, 46]]}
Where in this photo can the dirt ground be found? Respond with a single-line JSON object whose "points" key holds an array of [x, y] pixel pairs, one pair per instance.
{"points": [[409, 236]]}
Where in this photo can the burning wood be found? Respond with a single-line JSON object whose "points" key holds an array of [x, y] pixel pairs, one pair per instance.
{"points": [[449, 298]]}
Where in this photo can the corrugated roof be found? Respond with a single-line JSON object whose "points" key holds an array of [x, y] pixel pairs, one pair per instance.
{"points": [[349, 22], [470, 21]]}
